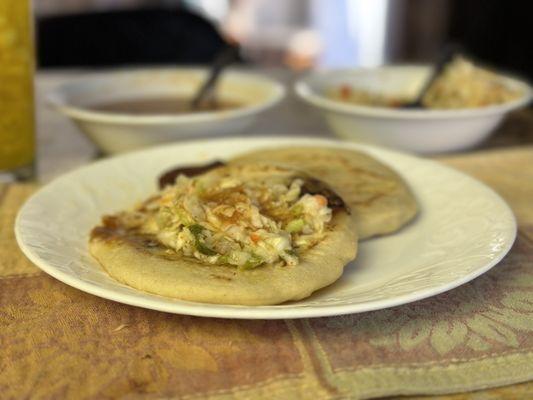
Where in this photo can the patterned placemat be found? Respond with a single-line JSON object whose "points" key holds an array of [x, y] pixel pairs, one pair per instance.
{"points": [[58, 342]]}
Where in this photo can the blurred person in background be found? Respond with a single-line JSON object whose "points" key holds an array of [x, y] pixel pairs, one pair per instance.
{"points": [[102, 33], [296, 34]]}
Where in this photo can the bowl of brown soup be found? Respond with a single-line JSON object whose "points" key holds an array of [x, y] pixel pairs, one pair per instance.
{"points": [[130, 109]]}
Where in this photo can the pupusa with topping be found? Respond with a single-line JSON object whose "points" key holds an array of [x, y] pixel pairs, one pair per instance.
{"points": [[255, 233]]}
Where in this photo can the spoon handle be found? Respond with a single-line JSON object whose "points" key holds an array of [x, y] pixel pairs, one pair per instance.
{"points": [[447, 55], [228, 55]]}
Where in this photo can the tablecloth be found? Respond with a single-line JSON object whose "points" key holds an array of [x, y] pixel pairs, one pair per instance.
{"points": [[58, 342]]}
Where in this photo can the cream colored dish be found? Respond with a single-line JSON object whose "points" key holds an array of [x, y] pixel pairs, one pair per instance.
{"points": [[416, 130], [464, 228], [117, 133]]}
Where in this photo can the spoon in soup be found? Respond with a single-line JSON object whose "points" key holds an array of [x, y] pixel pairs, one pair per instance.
{"points": [[205, 94]]}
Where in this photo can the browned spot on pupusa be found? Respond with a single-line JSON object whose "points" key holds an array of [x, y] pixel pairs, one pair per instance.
{"points": [[112, 230], [221, 277]]}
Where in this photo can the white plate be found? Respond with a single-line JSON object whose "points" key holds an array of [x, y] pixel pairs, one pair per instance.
{"points": [[463, 230]]}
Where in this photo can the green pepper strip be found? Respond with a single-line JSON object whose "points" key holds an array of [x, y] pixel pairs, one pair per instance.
{"points": [[253, 261], [196, 229]]}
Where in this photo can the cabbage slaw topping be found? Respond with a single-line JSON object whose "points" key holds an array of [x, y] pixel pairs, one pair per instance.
{"points": [[228, 220]]}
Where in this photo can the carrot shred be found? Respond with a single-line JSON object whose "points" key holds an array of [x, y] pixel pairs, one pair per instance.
{"points": [[345, 92], [321, 200]]}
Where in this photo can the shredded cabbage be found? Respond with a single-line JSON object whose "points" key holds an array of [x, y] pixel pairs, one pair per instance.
{"points": [[243, 223]]}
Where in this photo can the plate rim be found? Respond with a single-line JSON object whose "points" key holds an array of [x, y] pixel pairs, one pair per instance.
{"points": [[283, 311]]}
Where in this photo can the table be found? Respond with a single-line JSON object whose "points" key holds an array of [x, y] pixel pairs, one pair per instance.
{"points": [[59, 342]]}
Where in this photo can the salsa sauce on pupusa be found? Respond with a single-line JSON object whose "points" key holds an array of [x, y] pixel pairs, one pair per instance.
{"points": [[162, 105]]}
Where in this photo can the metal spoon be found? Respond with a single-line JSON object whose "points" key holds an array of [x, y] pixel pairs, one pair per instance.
{"points": [[447, 55], [227, 56]]}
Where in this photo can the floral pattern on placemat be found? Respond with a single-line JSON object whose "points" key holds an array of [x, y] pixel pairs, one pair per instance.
{"points": [[491, 315], [53, 336], [58, 342]]}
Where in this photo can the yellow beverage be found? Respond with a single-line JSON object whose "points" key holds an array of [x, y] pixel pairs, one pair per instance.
{"points": [[17, 137]]}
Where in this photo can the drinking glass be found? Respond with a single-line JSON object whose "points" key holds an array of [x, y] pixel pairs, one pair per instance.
{"points": [[17, 121]]}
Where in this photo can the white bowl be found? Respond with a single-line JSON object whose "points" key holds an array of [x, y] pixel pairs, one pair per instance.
{"points": [[422, 131], [116, 133]]}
